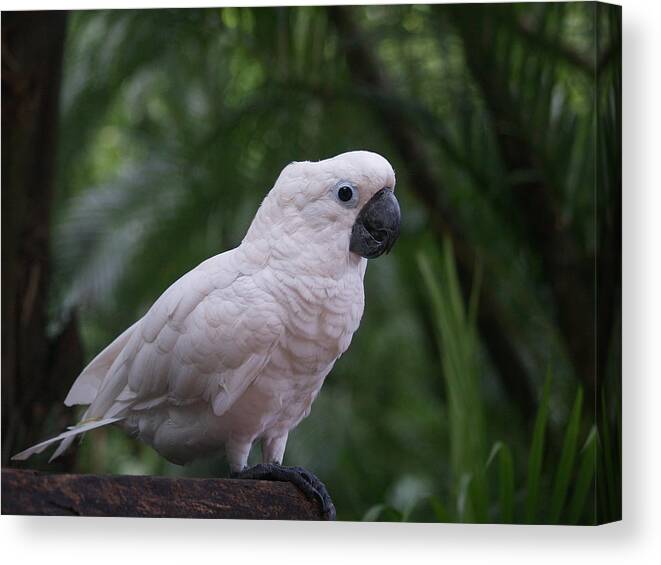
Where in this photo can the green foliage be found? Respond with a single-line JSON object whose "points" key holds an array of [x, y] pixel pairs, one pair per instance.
{"points": [[457, 338], [567, 456], [487, 487], [505, 481], [536, 455]]}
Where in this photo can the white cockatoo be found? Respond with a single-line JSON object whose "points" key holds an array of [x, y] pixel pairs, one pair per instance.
{"points": [[237, 349]]}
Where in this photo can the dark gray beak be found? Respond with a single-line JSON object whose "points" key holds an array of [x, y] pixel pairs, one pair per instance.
{"points": [[377, 226]]}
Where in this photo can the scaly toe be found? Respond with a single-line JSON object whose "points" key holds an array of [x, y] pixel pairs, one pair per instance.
{"points": [[306, 482]]}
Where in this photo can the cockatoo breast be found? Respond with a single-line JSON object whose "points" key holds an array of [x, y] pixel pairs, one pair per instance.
{"points": [[320, 311]]}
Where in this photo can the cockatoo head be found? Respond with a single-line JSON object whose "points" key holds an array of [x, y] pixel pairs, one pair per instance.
{"points": [[346, 202]]}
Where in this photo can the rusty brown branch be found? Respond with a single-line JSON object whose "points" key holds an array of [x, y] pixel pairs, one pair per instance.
{"points": [[28, 492]]}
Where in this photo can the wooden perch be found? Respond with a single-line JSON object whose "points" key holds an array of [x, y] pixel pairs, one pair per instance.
{"points": [[29, 492]]}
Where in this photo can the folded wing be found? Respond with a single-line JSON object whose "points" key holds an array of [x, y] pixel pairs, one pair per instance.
{"points": [[205, 339]]}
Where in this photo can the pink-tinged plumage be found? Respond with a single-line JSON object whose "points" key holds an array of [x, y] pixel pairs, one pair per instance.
{"points": [[237, 349]]}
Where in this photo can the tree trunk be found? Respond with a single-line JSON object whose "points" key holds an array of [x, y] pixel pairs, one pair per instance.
{"points": [[32, 46]]}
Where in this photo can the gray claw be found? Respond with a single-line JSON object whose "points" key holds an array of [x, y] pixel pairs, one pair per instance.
{"points": [[306, 482]]}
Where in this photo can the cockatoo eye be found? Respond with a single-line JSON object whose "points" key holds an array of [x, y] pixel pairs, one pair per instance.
{"points": [[347, 194]]}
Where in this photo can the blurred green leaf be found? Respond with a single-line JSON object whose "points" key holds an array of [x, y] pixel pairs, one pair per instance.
{"points": [[584, 477], [536, 455], [566, 462], [505, 480]]}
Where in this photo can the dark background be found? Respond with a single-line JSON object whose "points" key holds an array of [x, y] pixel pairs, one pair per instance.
{"points": [[137, 143]]}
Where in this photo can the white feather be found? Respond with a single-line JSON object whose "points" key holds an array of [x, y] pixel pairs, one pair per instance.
{"points": [[87, 384], [67, 436]]}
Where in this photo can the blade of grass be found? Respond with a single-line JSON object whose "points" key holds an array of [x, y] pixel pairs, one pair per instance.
{"points": [[601, 506], [382, 513], [457, 339], [608, 460], [537, 454], [473, 302], [505, 480], [464, 513], [442, 515], [567, 456], [479, 498], [584, 477]]}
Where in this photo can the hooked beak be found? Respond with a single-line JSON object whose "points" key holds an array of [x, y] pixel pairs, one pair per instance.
{"points": [[377, 226]]}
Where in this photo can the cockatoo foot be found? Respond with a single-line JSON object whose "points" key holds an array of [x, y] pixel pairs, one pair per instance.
{"points": [[307, 482]]}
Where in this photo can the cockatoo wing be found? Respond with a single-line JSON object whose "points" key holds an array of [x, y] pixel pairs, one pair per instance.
{"points": [[206, 338], [87, 385]]}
